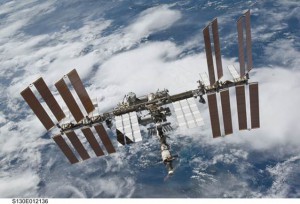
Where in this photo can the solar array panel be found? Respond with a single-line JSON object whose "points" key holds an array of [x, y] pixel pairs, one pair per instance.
{"points": [[243, 25], [217, 47], [248, 41], [208, 51], [187, 113], [67, 96], [77, 145], [80, 90], [104, 138], [241, 106], [46, 94], [214, 115], [37, 108], [241, 46], [92, 141], [254, 105], [61, 143], [226, 111]]}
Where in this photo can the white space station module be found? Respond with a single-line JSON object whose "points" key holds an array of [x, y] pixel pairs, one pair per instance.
{"points": [[125, 119]]}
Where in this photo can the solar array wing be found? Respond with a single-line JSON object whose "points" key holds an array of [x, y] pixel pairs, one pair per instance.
{"points": [[233, 72], [61, 143], [37, 108], [187, 113], [46, 94], [104, 138], [78, 145], [241, 107], [254, 105], [81, 91], [214, 116], [241, 46], [244, 23], [225, 102], [248, 41], [69, 99], [209, 58], [92, 141], [217, 48]]}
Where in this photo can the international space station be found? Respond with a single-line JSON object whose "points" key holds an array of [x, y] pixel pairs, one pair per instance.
{"points": [[126, 117]]}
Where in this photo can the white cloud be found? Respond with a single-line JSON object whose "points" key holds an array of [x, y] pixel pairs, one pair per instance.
{"points": [[18, 184], [283, 174], [147, 68], [153, 20], [19, 16], [283, 52], [2, 118], [137, 67]]}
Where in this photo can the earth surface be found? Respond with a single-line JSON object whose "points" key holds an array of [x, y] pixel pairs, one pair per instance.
{"points": [[141, 46]]}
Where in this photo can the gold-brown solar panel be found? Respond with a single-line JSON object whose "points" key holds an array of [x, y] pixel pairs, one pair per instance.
{"points": [[254, 105], [81, 91], [78, 145], [248, 41], [61, 143], [209, 58], [241, 46], [69, 99], [37, 108], [104, 138], [46, 94], [225, 101], [214, 116], [217, 48], [92, 140], [241, 107]]}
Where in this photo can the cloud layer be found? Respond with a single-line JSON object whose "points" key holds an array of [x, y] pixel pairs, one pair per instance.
{"points": [[112, 64]]}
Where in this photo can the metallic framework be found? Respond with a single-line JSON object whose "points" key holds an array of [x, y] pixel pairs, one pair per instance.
{"points": [[128, 113]]}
